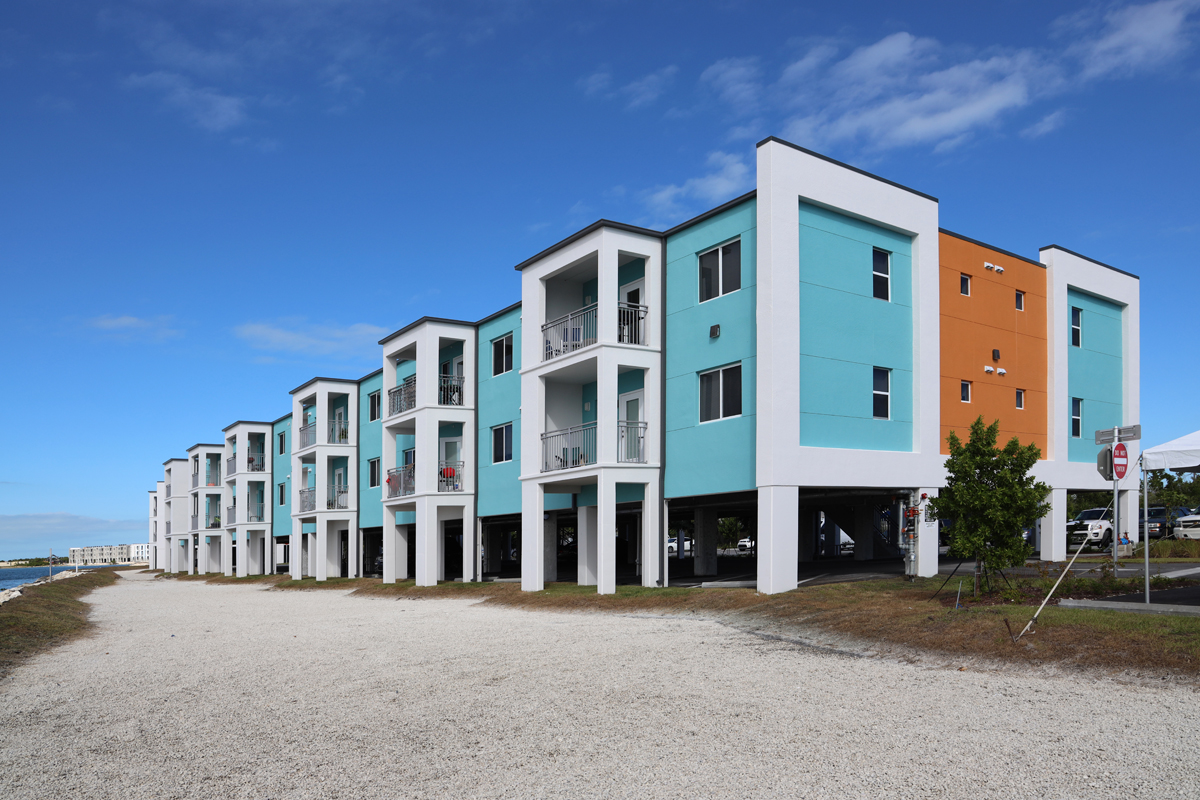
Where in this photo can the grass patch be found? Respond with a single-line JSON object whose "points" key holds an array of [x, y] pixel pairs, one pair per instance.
{"points": [[1175, 548], [47, 615]]}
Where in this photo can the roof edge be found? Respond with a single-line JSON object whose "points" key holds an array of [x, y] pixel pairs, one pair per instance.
{"points": [[422, 321], [712, 212], [319, 378], [844, 165], [595, 226], [992, 247], [245, 422], [499, 313], [1087, 258]]}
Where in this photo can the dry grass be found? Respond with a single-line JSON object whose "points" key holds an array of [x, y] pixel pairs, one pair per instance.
{"points": [[47, 615]]}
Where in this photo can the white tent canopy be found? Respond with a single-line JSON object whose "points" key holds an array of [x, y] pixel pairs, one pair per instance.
{"points": [[1181, 455]]}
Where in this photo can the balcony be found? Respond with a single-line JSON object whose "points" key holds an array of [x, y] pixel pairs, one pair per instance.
{"points": [[308, 435], [256, 461], [564, 335], [631, 323], [569, 447], [400, 482], [231, 515], [168, 490], [195, 479], [339, 497], [450, 390], [254, 512], [450, 476], [213, 476], [403, 397], [339, 431], [308, 500], [631, 442], [168, 528], [231, 465], [212, 521], [195, 522]]}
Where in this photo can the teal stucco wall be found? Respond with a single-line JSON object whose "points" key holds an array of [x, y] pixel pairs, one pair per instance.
{"points": [[281, 467], [499, 402], [370, 446], [1094, 371]]}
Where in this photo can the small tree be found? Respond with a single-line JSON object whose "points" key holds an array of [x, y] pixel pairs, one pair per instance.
{"points": [[990, 498]]}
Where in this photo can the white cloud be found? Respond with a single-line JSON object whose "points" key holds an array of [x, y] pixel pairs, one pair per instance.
{"points": [[648, 88], [299, 336], [1134, 38], [728, 176], [207, 107], [596, 83], [1047, 124], [130, 327], [736, 81]]}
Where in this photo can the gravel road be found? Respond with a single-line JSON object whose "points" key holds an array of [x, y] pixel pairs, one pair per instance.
{"points": [[199, 691]]}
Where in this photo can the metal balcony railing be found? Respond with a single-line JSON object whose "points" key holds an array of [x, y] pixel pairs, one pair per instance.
{"points": [[308, 435], [450, 476], [450, 390], [308, 500], [256, 461], [213, 476], [212, 521], [195, 522], [339, 431], [339, 497], [231, 515], [631, 323], [631, 442], [570, 447], [403, 397], [195, 479], [570, 333], [231, 465], [254, 512], [400, 482]]}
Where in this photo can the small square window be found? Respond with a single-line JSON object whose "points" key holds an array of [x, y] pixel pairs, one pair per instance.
{"points": [[881, 274], [1020, 398], [502, 354], [1076, 327], [881, 393], [1020, 301], [965, 391], [964, 285], [1076, 418], [502, 443], [373, 471], [721, 393], [721, 271], [373, 406]]}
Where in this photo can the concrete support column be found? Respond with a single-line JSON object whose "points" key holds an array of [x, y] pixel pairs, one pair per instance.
{"points": [[391, 536], [927, 536], [550, 545], [427, 531], [606, 533], [585, 535], [807, 542], [1127, 503], [533, 558], [470, 544], [322, 555], [651, 539], [778, 539], [1054, 527], [864, 532], [227, 546], [704, 552], [310, 561]]}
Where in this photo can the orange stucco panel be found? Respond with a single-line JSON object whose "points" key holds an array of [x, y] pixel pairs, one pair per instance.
{"points": [[986, 320]]}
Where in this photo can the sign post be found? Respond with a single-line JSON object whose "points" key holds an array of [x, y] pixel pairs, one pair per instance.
{"points": [[1118, 463]]}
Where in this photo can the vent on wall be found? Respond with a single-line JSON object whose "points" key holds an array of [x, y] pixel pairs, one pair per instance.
{"points": [[714, 331]]}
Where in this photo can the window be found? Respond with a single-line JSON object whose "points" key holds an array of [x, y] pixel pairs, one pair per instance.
{"points": [[1020, 301], [282, 492], [1077, 327], [964, 285], [965, 391], [502, 354], [282, 442], [502, 443], [373, 472], [1076, 417], [373, 401], [881, 393], [880, 273], [721, 393], [721, 271], [1020, 398]]}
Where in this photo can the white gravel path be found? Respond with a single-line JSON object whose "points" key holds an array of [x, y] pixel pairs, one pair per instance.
{"points": [[198, 691]]}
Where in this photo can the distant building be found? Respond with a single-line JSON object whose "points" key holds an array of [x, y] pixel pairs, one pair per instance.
{"points": [[109, 554]]}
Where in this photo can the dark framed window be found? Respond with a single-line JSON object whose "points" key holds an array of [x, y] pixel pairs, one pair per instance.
{"points": [[502, 354], [965, 391], [1020, 301], [1076, 417], [881, 272], [721, 393], [964, 285], [881, 393], [721, 270], [373, 406], [1077, 327], [502, 444], [373, 472], [1020, 398], [282, 492], [282, 443]]}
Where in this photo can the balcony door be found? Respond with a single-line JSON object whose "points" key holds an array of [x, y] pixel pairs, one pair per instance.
{"points": [[630, 408], [450, 468], [631, 325], [340, 434]]}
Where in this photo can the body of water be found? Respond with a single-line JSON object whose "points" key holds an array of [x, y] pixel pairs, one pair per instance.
{"points": [[15, 576]]}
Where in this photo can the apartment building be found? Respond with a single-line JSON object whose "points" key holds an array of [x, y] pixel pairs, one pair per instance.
{"points": [[794, 359], [137, 553]]}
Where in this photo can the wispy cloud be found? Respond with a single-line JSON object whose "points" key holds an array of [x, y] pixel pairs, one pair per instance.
{"points": [[1047, 124], [205, 106], [1123, 41], [727, 176], [128, 327], [737, 81], [637, 93], [301, 337]]}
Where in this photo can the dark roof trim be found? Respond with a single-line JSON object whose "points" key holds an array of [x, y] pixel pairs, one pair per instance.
{"points": [[845, 166], [595, 226], [370, 375], [169, 460], [991, 247], [193, 447], [245, 422], [281, 419], [499, 313], [712, 212], [422, 321], [314, 380], [1085, 258]]}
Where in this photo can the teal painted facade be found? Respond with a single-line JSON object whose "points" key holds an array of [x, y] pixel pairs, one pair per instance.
{"points": [[845, 332], [1094, 371], [498, 488], [281, 467], [370, 446], [716, 456]]}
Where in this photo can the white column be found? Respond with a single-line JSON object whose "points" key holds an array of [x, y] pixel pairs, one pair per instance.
{"points": [[606, 532], [404, 570], [321, 563], [864, 532], [585, 533], [427, 544], [778, 540], [533, 558], [704, 552], [927, 537], [550, 546], [1054, 527], [296, 551], [1127, 501], [652, 545], [227, 553], [390, 537], [470, 542]]}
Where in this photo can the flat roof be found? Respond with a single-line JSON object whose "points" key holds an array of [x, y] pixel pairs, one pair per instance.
{"points": [[281, 419], [490, 317], [331, 380], [844, 165], [590, 229], [422, 321], [1087, 258], [169, 460], [219, 446], [712, 212], [244, 422], [990, 247]]}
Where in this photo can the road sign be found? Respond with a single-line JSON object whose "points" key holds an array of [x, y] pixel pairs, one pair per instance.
{"points": [[1104, 462], [1120, 457], [1130, 433]]}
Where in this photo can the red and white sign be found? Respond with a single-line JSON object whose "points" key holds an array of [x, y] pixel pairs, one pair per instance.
{"points": [[1120, 460]]}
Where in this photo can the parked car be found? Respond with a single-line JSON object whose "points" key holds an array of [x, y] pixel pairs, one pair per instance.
{"points": [[673, 548], [1187, 527], [746, 544], [1158, 524], [1092, 526]]}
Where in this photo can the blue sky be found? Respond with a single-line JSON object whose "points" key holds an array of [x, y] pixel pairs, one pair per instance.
{"points": [[205, 203]]}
